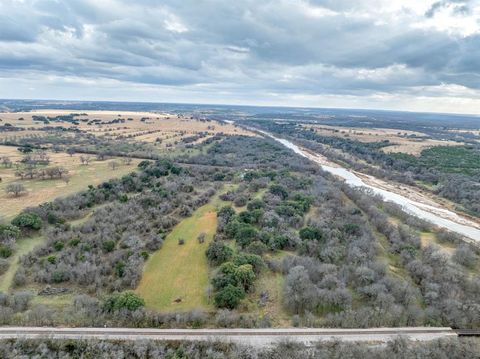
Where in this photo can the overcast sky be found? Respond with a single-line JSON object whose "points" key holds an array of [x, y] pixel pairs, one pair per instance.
{"points": [[409, 55]]}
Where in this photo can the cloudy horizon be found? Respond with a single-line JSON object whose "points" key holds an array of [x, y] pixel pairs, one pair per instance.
{"points": [[378, 54]]}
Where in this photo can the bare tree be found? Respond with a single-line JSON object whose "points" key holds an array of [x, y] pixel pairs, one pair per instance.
{"points": [[101, 156], [113, 165], [126, 160], [6, 162], [85, 160], [15, 188], [66, 179]]}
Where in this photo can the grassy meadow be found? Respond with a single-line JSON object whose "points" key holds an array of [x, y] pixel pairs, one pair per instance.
{"points": [[181, 271]]}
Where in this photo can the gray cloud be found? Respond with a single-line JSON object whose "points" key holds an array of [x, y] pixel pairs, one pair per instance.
{"points": [[243, 47]]}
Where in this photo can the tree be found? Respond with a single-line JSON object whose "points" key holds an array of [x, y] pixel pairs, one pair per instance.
{"points": [[279, 190], [227, 213], [6, 162], [25, 149], [245, 275], [113, 165], [218, 253], [101, 156], [299, 291], [126, 160], [229, 297], [15, 188], [85, 160], [201, 237], [71, 151]]}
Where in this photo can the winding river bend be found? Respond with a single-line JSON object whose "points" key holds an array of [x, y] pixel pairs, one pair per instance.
{"points": [[435, 214]]}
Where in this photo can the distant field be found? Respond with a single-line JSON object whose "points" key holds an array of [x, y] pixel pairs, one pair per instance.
{"points": [[457, 159], [403, 141], [135, 126], [40, 191], [181, 271]]}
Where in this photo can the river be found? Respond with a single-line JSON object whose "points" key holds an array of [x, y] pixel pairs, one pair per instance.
{"points": [[437, 215]]}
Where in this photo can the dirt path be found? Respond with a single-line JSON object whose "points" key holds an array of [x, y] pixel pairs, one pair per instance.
{"points": [[24, 246]]}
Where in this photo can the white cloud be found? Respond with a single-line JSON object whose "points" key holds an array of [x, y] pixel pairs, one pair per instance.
{"points": [[419, 54]]}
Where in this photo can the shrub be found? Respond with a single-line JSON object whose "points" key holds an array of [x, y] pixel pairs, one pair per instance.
{"points": [[465, 256], [59, 276], [126, 300], [256, 204], [5, 251], [27, 220], [310, 233], [120, 269], [58, 245], [108, 246], [3, 266], [240, 201], [8, 232]]}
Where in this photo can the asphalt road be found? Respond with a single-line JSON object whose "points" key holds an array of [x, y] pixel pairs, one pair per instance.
{"points": [[256, 337]]}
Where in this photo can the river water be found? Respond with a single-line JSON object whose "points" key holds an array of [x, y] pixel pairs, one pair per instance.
{"points": [[447, 219]]}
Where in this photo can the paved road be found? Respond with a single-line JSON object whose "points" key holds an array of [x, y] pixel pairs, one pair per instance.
{"points": [[256, 337]]}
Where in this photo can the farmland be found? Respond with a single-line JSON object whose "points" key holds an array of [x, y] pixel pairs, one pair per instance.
{"points": [[399, 141], [43, 190], [130, 133]]}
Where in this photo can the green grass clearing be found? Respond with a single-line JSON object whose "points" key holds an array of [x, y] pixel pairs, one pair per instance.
{"points": [[181, 271], [24, 246]]}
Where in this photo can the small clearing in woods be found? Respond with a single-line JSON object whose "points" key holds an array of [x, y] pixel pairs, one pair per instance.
{"points": [[176, 276]]}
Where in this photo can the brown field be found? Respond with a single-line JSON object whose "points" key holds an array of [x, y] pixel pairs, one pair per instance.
{"points": [[162, 122], [40, 191], [469, 131], [409, 142], [168, 128]]}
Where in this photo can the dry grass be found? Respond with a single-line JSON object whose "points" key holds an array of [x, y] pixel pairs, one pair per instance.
{"points": [[40, 191], [409, 142], [163, 123], [428, 238]]}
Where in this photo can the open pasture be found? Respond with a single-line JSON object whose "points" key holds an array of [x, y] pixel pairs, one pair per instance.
{"points": [[39, 191], [404, 141]]}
